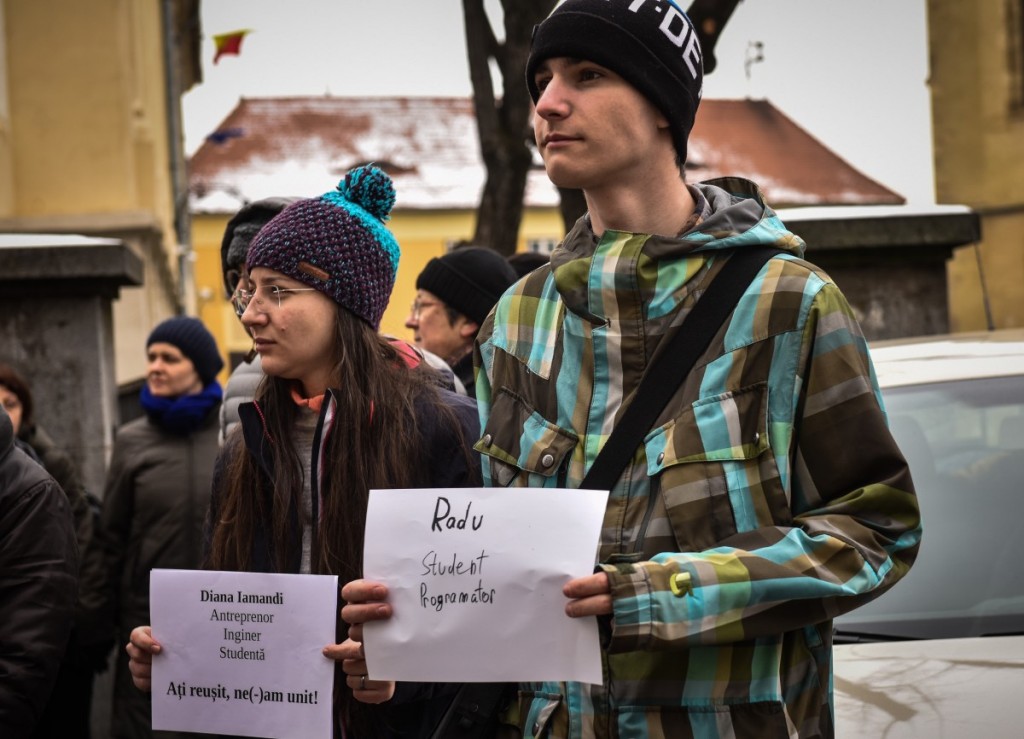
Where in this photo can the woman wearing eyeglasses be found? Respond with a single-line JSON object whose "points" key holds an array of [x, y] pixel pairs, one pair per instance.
{"points": [[339, 399]]}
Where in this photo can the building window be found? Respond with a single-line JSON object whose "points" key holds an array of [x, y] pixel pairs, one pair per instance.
{"points": [[1015, 52]]}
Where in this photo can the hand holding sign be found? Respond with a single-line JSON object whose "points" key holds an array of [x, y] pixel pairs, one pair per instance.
{"points": [[364, 601], [240, 653], [463, 566]]}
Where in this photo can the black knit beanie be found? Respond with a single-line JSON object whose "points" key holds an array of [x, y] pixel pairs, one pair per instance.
{"points": [[651, 44], [469, 279], [337, 243], [241, 229], [195, 342]]}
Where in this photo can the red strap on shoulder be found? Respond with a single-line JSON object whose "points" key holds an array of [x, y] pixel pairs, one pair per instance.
{"points": [[407, 352]]}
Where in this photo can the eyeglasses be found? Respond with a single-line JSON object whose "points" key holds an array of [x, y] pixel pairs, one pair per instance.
{"points": [[267, 297], [418, 306]]}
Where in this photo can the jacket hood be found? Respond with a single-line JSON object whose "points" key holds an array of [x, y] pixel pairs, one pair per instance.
{"points": [[736, 215], [601, 276], [740, 217]]}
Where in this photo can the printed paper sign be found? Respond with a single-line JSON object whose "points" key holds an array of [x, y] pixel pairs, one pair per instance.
{"points": [[475, 580], [242, 652]]}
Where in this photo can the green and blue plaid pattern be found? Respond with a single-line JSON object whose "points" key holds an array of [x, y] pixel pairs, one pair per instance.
{"points": [[769, 497]]}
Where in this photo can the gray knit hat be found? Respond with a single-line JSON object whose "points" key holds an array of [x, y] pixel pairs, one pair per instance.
{"points": [[241, 230]]}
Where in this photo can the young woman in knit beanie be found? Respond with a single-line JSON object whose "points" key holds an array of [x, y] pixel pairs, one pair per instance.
{"points": [[341, 401], [155, 499]]}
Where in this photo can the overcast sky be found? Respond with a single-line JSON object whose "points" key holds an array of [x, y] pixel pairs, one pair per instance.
{"points": [[854, 74]]}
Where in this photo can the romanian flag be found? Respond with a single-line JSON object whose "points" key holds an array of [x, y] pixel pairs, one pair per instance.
{"points": [[228, 43]]}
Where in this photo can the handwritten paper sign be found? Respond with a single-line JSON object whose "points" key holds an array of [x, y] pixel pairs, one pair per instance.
{"points": [[475, 580], [242, 652]]}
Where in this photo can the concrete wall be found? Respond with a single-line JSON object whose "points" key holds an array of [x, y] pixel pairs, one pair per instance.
{"points": [[56, 329], [890, 263]]}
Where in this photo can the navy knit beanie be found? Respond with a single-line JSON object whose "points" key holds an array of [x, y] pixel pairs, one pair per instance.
{"points": [[469, 279], [652, 45], [195, 342], [337, 243]]}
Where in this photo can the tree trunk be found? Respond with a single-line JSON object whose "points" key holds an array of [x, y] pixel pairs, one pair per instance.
{"points": [[503, 124]]}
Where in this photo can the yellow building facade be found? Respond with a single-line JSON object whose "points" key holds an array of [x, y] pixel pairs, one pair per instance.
{"points": [[977, 90], [90, 139]]}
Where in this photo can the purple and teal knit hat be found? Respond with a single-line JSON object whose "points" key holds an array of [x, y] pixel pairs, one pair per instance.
{"points": [[337, 243]]}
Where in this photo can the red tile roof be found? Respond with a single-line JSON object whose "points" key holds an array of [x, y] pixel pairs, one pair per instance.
{"points": [[754, 139], [303, 145]]}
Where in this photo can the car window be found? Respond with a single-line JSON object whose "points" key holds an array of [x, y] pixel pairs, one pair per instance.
{"points": [[964, 441]]}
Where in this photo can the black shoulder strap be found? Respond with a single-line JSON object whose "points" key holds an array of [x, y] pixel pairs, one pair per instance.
{"points": [[674, 363]]}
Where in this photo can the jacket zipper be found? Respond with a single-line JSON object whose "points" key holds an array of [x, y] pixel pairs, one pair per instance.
{"points": [[652, 499]]}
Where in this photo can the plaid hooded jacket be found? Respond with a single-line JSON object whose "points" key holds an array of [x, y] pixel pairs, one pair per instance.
{"points": [[768, 498]]}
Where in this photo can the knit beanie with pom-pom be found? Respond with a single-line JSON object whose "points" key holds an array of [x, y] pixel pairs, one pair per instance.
{"points": [[337, 243]]}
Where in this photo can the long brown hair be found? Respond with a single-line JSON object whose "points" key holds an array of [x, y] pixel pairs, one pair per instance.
{"points": [[375, 443]]}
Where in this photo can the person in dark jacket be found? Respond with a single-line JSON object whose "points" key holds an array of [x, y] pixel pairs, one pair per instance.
{"points": [[340, 400], [38, 585], [454, 294], [70, 702], [156, 496], [238, 234], [17, 399]]}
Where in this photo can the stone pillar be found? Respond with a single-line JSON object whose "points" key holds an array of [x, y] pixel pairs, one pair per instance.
{"points": [[890, 262], [56, 327]]}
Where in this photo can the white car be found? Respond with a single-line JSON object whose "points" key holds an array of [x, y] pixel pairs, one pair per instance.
{"points": [[942, 653]]}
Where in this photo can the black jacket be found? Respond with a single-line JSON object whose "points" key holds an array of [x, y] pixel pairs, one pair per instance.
{"points": [[38, 584]]}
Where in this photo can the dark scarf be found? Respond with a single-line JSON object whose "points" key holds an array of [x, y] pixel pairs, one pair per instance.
{"points": [[182, 415]]}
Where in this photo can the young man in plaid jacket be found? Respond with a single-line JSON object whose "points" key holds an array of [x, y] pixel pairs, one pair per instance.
{"points": [[769, 497]]}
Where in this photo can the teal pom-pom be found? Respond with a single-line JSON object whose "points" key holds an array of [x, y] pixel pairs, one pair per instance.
{"points": [[370, 188]]}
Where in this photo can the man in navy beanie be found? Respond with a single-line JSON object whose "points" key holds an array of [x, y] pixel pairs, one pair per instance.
{"points": [[454, 294]]}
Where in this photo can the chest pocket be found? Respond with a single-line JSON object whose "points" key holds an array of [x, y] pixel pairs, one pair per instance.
{"points": [[716, 470], [522, 447]]}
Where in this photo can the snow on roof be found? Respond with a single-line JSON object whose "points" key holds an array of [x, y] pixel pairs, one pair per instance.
{"points": [[429, 145]]}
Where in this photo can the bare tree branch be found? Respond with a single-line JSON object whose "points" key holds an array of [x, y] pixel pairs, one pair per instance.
{"points": [[502, 123]]}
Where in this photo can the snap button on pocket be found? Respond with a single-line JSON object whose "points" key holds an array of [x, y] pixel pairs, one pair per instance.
{"points": [[547, 460]]}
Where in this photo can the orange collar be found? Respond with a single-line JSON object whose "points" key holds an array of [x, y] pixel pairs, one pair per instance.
{"points": [[314, 404]]}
